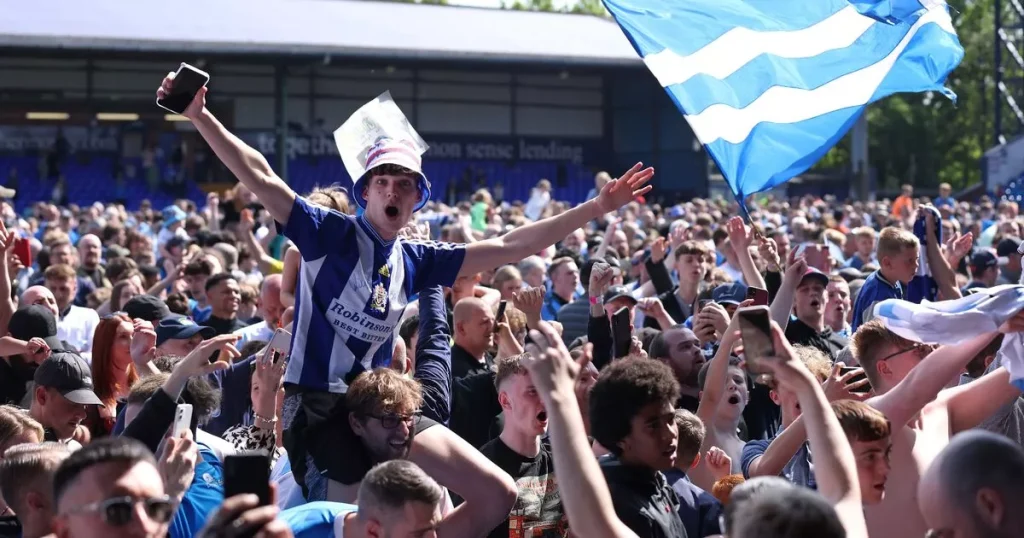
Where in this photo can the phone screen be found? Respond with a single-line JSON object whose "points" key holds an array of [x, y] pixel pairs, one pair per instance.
{"points": [[248, 472], [622, 334], [500, 316], [187, 83], [756, 331], [857, 378]]}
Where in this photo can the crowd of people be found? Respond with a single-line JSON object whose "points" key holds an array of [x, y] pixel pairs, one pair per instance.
{"points": [[462, 370]]}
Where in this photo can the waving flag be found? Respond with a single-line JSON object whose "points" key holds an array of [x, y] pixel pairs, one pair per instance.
{"points": [[768, 86]]}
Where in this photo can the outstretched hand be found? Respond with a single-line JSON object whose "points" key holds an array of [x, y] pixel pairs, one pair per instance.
{"points": [[619, 192]]}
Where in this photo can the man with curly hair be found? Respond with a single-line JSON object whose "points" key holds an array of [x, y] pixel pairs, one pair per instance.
{"points": [[632, 406]]}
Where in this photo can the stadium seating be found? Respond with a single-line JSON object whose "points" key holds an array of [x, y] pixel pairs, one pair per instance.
{"points": [[92, 178]]}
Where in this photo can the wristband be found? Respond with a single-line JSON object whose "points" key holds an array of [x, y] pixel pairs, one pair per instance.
{"points": [[596, 301]]}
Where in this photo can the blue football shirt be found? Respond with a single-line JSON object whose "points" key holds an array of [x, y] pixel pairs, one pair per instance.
{"points": [[315, 519], [353, 287], [875, 290]]}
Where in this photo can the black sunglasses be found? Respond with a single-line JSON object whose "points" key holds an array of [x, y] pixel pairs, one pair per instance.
{"points": [[119, 511], [390, 421]]}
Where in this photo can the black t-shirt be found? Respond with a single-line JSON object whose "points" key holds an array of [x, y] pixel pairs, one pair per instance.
{"points": [[464, 364], [538, 510], [15, 374], [224, 326], [475, 413], [687, 402], [830, 343]]}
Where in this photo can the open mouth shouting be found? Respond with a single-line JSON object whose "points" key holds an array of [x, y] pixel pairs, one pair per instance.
{"points": [[734, 399], [542, 417], [391, 211]]}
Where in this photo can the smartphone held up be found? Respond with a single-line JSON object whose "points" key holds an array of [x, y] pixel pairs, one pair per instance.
{"points": [[756, 333]]}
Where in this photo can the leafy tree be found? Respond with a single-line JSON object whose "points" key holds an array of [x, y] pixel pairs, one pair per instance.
{"points": [[927, 139]]}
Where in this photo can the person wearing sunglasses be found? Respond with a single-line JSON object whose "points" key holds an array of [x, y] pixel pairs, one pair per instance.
{"points": [[111, 488]]}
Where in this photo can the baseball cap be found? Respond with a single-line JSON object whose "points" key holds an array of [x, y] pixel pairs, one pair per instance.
{"points": [[179, 328], [35, 321], [850, 274], [173, 214], [392, 151], [811, 272], [983, 259], [70, 375], [1008, 246], [147, 308], [732, 293], [618, 292]]}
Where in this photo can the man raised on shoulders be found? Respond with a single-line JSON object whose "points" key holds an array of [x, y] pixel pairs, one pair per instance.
{"points": [[357, 275]]}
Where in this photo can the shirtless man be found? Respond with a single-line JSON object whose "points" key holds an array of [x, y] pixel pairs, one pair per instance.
{"points": [[923, 415]]}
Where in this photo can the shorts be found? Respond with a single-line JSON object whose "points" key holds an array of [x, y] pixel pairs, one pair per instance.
{"points": [[320, 442]]}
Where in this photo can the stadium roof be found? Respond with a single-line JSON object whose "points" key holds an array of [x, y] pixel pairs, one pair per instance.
{"points": [[316, 27]]}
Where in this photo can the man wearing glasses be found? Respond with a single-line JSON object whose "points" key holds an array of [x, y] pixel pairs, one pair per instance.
{"points": [[111, 489]]}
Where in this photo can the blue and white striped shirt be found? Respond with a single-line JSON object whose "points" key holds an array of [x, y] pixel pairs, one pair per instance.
{"points": [[352, 289]]}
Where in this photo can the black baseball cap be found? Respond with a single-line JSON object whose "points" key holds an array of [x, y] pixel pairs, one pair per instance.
{"points": [[1008, 246], [983, 259], [147, 308], [69, 374], [35, 321], [618, 292], [180, 328]]}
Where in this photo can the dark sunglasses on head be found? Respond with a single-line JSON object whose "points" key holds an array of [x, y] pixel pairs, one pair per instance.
{"points": [[120, 511]]}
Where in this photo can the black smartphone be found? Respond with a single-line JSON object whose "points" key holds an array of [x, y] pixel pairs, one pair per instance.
{"points": [[622, 333], [187, 83], [857, 378], [756, 331], [248, 472], [759, 295], [500, 316]]}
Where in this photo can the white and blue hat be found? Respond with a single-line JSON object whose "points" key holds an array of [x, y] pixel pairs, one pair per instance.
{"points": [[398, 152]]}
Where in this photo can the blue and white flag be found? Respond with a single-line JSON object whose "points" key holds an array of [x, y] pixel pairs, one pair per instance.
{"points": [[956, 321], [768, 86]]}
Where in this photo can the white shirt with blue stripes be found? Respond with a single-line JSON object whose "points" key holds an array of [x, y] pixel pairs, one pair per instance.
{"points": [[351, 292]]}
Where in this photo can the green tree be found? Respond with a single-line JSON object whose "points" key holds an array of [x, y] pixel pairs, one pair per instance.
{"points": [[583, 7], [926, 138]]}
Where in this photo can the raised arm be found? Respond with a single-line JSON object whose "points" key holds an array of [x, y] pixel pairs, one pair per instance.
{"points": [[942, 272], [718, 372], [248, 165], [782, 305], [534, 237], [584, 492], [923, 383], [970, 404], [290, 276], [834, 465], [7, 240], [739, 238], [434, 356]]}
